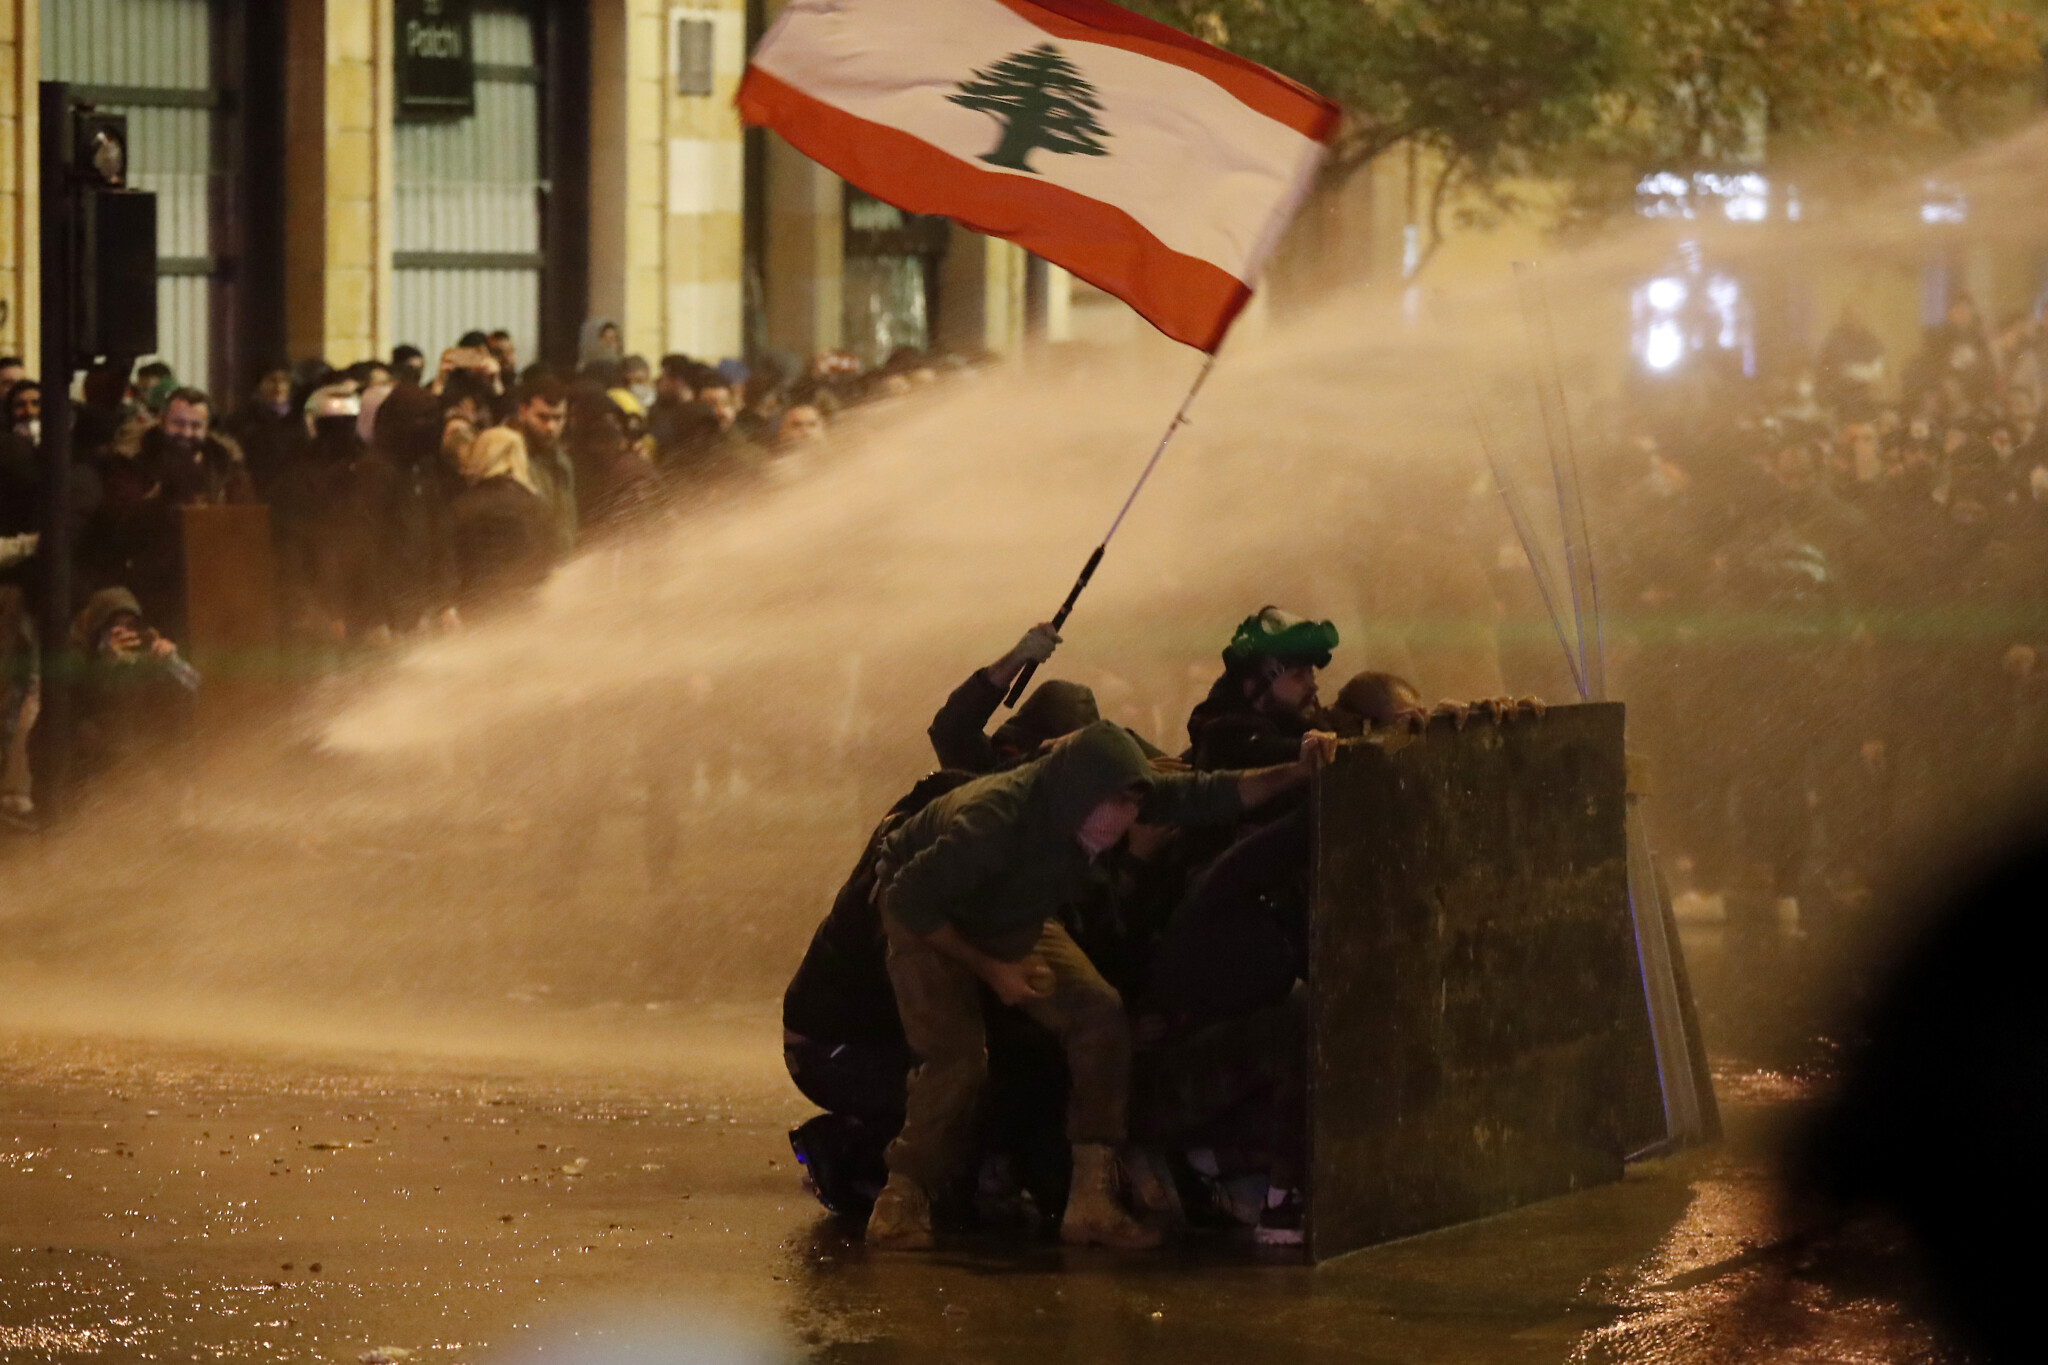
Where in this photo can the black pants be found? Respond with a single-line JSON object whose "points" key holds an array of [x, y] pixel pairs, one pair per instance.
{"points": [[861, 1087], [1241, 1083], [1239, 940], [861, 1079]]}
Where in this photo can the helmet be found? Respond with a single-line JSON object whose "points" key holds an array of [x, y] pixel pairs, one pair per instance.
{"points": [[1275, 634]]}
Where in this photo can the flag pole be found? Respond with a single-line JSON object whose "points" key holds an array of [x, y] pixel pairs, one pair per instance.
{"points": [[1180, 419]]}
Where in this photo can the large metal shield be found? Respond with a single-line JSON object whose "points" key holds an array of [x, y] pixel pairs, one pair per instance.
{"points": [[1479, 1034]]}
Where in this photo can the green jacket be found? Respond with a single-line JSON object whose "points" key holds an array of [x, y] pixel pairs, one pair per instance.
{"points": [[997, 857]]}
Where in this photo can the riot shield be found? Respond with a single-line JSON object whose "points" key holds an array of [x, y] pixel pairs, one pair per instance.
{"points": [[1480, 1036]]}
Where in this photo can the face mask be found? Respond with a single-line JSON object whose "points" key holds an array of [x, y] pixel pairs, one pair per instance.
{"points": [[282, 407], [644, 393], [30, 430]]}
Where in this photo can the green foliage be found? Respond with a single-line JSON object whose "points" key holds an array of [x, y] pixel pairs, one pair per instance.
{"points": [[1833, 91], [1600, 91], [1042, 101], [1479, 81]]}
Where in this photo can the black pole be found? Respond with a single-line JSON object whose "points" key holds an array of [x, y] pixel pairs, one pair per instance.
{"points": [[1059, 619], [53, 551]]}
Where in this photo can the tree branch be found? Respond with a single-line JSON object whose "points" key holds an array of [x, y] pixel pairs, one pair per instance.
{"points": [[1435, 218]]}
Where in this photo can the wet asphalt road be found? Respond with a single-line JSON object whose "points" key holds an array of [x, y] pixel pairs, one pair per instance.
{"points": [[316, 1197]]}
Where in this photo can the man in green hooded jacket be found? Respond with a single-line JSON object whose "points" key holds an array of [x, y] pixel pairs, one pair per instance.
{"points": [[968, 889]]}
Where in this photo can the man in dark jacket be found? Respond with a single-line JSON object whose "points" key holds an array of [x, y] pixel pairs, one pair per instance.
{"points": [[959, 732], [1257, 712], [408, 505], [841, 1039], [269, 429], [195, 466], [968, 888]]}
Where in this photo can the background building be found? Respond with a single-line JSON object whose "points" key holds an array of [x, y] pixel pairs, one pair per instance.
{"points": [[339, 176]]}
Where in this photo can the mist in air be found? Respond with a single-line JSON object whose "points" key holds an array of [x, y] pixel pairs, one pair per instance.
{"points": [[646, 787]]}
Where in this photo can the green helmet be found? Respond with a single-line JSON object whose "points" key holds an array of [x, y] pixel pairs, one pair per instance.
{"points": [[1275, 634]]}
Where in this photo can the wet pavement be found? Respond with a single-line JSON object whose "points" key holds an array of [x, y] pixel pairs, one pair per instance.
{"points": [[331, 1187]]}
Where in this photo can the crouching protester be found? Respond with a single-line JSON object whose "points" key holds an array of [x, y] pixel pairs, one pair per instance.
{"points": [[1220, 1091], [842, 1041], [135, 694], [968, 889]]}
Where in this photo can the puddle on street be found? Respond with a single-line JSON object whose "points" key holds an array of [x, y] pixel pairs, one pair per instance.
{"points": [[186, 1203]]}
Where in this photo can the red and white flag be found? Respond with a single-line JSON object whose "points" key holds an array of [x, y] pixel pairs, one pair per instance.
{"points": [[1146, 162]]}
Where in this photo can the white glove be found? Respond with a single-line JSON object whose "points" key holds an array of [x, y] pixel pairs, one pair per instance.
{"points": [[1037, 644]]}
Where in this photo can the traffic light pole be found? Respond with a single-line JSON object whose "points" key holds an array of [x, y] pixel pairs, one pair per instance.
{"points": [[54, 551]]}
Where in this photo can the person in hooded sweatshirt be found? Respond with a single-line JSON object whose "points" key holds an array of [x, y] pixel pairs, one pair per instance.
{"points": [[842, 1040], [959, 732], [598, 343], [969, 888], [135, 689]]}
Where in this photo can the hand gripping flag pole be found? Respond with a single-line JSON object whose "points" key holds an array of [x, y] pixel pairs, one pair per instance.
{"points": [[1150, 164]]}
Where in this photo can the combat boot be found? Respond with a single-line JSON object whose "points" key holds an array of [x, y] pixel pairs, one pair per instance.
{"points": [[902, 1217], [1094, 1218]]}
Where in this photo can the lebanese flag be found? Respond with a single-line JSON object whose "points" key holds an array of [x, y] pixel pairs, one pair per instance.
{"points": [[1146, 162]]}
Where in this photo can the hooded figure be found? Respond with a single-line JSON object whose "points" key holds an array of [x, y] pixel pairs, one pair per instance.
{"points": [[598, 342], [135, 693], [1054, 708], [958, 732], [998, 857], [976, 878]]}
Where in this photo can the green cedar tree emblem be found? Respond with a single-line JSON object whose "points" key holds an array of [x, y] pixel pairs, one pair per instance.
{"points": [[1043, 102]]}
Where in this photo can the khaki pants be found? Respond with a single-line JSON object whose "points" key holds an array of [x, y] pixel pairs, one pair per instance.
{"points": [[941, 1010]]}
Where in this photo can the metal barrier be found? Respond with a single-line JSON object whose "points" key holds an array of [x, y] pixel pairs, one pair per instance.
{"points": [[1481, 1036]]}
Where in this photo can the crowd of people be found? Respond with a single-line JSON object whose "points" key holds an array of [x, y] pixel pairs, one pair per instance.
{"points": [[401, 499], [1825, 608], [1064, 940]]}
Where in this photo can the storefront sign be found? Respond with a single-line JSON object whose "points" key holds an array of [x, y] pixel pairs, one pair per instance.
{"points": [[435, 66]]}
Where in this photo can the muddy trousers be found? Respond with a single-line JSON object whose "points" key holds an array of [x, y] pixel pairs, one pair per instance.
{"points": [[940, 1004]]}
